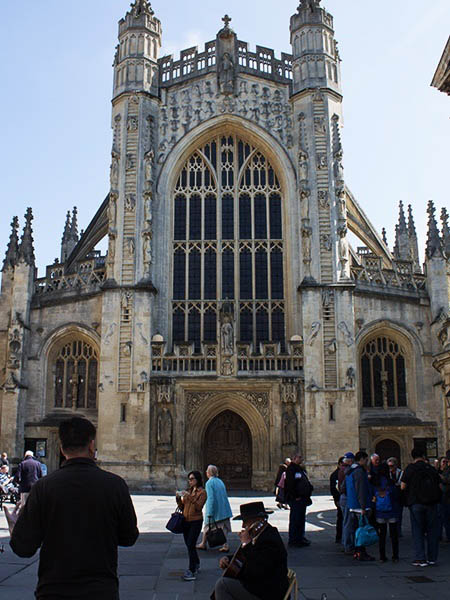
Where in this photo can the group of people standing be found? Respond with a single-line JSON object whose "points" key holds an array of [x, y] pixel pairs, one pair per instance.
{"points": [[261, 560], [377, 491]]}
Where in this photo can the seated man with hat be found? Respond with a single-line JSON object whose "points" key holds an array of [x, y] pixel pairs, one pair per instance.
{"points": [[262, 572]]}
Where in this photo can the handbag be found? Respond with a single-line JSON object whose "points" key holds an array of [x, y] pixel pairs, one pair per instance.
{"points": [[365, 535], [215, 536], [176, 522]]}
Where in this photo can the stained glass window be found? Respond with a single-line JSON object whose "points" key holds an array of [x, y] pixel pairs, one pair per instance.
{"points": [[383, 374], [228, 244], [75, 374]]}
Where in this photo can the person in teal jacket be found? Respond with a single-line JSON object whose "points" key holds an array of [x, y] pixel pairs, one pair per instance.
{"points": [[217, 509]]}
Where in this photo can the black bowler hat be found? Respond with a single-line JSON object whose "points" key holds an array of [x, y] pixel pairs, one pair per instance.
{"points": [[252, 510]]}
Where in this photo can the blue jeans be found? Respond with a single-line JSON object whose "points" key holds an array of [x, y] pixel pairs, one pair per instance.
{"points": [[444, 520], [425, 525], [348, 529], [297, 519]]}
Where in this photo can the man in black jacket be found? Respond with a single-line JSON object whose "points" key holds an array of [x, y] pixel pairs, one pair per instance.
{"points": [[263, 560], [334, 491], [28, 472], [77, 516], [298, 492]]}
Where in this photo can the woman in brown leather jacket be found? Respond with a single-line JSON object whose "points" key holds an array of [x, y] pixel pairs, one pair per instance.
{"points": [[192, 501]]}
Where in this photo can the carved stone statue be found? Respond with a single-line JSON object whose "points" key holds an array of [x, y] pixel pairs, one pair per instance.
{"points": [[341, 204], [290, 427], [227, 338], [165, 427], [351, 376], [114, 172], [304, 206], [112, 211], [227, 74], [148, 216], [306, 243], [147, 250], [343, 251], [338, 168], [303, 165], [111, 255], [149, 160]]}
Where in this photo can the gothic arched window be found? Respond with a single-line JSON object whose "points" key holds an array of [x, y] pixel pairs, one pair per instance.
{"points": [[383, 373], [75, 376], [228, 244]]}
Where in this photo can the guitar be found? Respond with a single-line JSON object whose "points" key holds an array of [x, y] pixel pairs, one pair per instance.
{"points": [[238, 559], [236, 563]]}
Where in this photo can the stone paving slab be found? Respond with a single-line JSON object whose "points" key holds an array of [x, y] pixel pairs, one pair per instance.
{"points": [[152, 569]]}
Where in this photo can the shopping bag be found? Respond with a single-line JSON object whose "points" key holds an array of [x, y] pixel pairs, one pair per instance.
{"points": [[215, 536], [365, 535], [176, 522]]}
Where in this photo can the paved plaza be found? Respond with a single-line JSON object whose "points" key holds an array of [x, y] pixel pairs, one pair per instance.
{"points": [[151, 570]]}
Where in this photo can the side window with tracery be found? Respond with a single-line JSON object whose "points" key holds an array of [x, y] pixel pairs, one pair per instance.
{"points": [[228, 244], [75, 376], [383, 374]]}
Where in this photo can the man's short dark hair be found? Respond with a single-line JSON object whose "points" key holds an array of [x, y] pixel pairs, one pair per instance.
{"points": [[76, 433], [360, 455], [417, 453]]}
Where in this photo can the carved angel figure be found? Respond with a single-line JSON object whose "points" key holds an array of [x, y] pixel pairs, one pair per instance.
{"points": [[315, 328]]}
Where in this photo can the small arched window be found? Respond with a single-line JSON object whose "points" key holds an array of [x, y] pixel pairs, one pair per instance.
{"points": [[75, 376], [383, 373]]}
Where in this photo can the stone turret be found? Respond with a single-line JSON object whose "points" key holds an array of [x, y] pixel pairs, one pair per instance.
{"points": [[12, 251], [16, 317], [316, 61], [136, 59]]}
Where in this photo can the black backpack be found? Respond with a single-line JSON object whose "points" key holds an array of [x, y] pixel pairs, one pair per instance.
{"points": [[425, 485]]}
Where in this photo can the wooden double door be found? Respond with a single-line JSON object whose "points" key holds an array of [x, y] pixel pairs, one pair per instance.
{"points": [[228, 446]]}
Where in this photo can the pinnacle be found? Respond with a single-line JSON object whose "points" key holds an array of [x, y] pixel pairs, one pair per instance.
{"points": [[401, 219], [26, 249], [411, 225], [13, 246], [141, 6], [74, 224], [384, 236], [311, 4], [434, 244]]}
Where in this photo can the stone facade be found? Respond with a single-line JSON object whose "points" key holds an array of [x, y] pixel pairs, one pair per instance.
{"points": [[230, 319]]}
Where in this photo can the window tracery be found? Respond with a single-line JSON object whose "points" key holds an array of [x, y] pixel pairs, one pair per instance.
{"points": [[383, 373], [75, 376], [228, 244]]}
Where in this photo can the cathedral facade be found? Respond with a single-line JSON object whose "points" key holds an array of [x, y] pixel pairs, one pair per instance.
{"points": [[231, 321]]}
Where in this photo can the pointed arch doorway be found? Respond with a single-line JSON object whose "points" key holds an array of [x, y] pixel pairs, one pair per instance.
{"points": [[228, 445]]}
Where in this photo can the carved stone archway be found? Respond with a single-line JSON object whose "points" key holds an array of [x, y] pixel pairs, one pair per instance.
{"points": [[253, 407]]}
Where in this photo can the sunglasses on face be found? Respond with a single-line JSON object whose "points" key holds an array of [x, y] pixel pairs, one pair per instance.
{"points": [[191, 478]]}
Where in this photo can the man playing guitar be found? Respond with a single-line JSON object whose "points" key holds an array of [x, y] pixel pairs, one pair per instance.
{"points": [[258, 570]]}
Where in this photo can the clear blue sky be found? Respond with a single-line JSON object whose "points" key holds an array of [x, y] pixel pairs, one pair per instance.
{"points": [[56, 77]]}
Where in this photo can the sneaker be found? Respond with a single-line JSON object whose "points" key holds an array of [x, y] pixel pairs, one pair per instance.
{"points": [[189, 576], [431, 563], [419, 563]]}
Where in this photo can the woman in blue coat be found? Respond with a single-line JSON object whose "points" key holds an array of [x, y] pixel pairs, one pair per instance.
{"points": [[217, 508]]}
